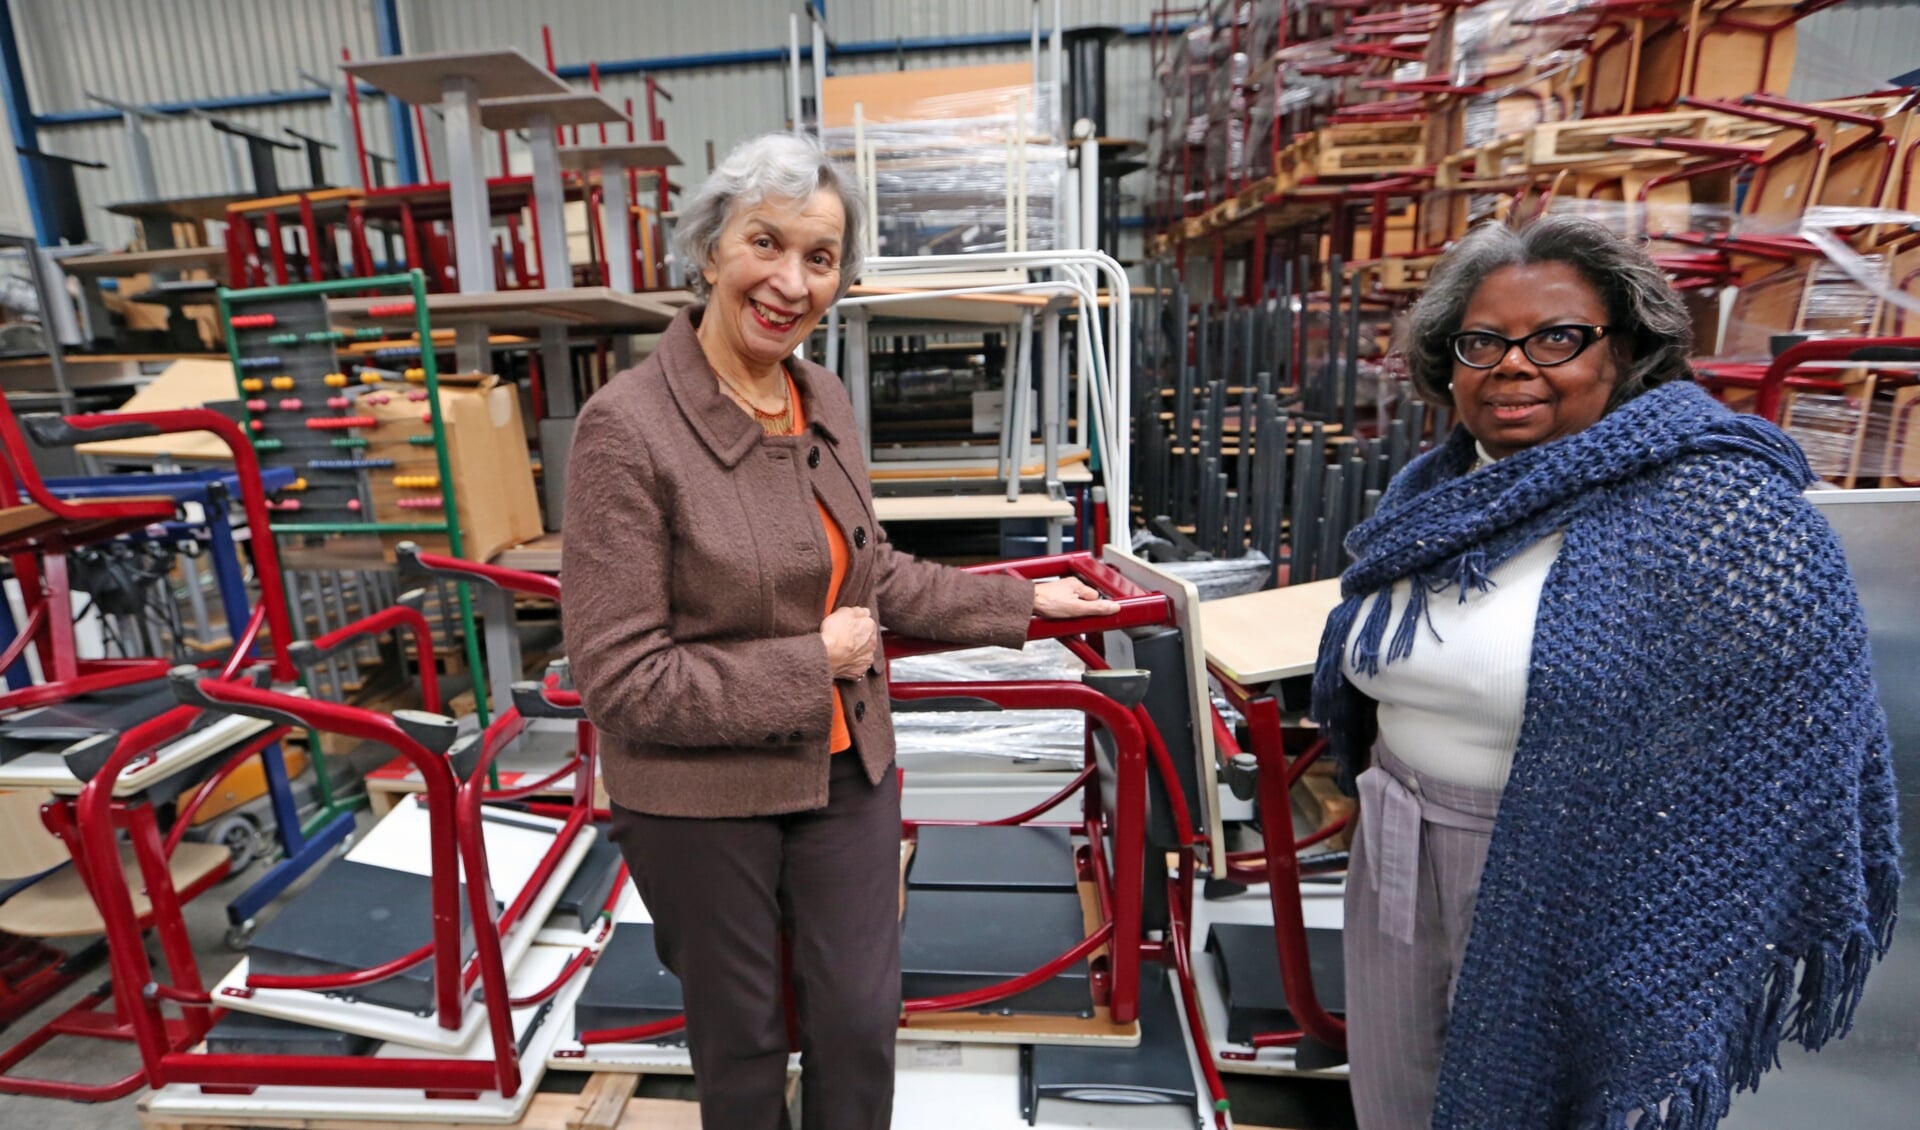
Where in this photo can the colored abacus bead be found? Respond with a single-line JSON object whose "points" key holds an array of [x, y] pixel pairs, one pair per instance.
{"points": [[353, 504], [416, 394], [265, 361], [324, 422], [390, 310], [252, 384], [348, 464], [349, 441], [256, 406], [369, 333], [430, 503], [339, 402], [283, 339], [416, 482], [335, 380], [297, 484], [417, 373], [283, 383], [420, 441], [252, 321], [290, 404], [368, 377], [267, 445], [257, 425], [378, 398], [283, 504]]}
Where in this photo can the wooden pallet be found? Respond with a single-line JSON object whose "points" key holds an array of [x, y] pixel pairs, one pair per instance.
{"points": [[1555, 144], [1400, 275], [1293, 163], [1346, 148], [607, 1103], [1346, 160], [1498, 166]]}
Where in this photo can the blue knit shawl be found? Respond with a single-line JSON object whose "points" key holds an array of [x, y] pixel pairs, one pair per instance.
{"points": [[1696, 855]]}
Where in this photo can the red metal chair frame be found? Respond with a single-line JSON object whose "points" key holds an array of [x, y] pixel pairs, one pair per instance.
{"points": [[1770, 397], [49, 624], [458, 852], [1120, 893], [1280, 869]]}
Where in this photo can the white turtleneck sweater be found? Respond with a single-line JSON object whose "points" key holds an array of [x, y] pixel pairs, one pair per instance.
{"points": [[1452, 709]]}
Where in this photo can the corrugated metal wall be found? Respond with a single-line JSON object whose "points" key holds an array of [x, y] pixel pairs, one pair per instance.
{"points": [[149, 51], [167, 50], [1852, 48]]}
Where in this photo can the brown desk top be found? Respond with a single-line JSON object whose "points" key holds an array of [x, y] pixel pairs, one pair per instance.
{"points": [[630, 154], [187, 208], [420, 79], [505, 309], [120, 264], [564, 108], [1263, 636]]}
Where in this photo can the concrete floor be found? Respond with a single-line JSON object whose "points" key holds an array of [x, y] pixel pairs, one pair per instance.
{"points": [[1304, 1104]]}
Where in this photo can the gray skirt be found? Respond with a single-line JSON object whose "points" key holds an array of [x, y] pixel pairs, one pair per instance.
{"points": [[1410, 892]]}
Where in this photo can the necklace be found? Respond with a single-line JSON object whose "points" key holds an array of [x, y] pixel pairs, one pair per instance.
{"points": [[772, 423]]}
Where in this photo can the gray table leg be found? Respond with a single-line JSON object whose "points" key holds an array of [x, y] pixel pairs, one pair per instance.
{"points": [[619, 210], [549, 202], [466, 174], [856, 377], [502, 644], [1050, 395]]}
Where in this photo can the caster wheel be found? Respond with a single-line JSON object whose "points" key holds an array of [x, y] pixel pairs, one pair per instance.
{"points": [[241, 839]]}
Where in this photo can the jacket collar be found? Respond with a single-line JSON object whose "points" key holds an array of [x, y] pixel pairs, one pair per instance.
{"points": [[727, 431]]}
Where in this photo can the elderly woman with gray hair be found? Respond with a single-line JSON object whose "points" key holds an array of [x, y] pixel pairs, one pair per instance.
{"points": [[726, 581], [1627, 806]]}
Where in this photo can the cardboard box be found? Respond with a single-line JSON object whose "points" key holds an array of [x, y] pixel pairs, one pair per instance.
{"points": [[188, 383], [486, 451]]}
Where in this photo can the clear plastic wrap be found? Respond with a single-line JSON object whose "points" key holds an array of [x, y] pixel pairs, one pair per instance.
{"points": [[1837, 431], [1497, 41], [975, 171], [1045, 739], [1636, 218], [1233, 577], [1524, 53]]}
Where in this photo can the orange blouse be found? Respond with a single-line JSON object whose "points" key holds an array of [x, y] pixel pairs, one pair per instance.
{"points": [[842, 739]]}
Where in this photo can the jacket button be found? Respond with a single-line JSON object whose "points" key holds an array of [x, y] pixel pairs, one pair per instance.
{"points": [[859, 711], [813, 457], [796, 736], [773, 739], [859, 537]]}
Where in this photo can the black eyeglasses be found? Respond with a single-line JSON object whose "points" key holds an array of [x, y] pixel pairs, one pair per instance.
{"points": [[1554, 345]]}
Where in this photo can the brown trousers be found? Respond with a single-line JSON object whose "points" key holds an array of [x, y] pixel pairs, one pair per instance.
{"points": [[721, 891]]}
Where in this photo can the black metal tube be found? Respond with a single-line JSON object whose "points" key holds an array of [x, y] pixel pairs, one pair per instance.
{"points": [[1352, 392], [1181, 450]]}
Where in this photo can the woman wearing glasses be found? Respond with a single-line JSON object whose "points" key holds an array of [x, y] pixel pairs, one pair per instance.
{"points": [[1602, 683]]}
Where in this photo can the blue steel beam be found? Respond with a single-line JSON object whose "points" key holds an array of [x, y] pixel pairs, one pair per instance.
{"points": [[403, 127], [20, 119], [386, 27]]}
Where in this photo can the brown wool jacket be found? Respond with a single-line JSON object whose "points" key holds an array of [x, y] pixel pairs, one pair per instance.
{"points": [[696, 574]]}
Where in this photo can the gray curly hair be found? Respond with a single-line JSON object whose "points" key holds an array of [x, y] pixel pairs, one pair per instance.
{"points": [[777, 166], [1652, 334]]}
